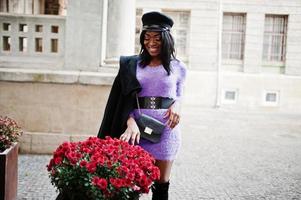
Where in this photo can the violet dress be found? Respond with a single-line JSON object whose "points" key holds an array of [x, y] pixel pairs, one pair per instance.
{"points": [[156, 82]]}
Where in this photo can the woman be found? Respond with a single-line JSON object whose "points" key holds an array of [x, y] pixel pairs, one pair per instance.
{"points": [[155, 76]]}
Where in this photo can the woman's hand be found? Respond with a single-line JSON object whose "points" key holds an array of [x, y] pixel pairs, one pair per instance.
{"points": [[132, 133], [173, 115]]}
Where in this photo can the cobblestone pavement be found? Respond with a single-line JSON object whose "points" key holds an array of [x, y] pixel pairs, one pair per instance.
{"points": [[225, 155]]}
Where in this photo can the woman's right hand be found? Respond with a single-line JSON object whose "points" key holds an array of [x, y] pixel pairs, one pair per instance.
{"points": [[132, 132]]}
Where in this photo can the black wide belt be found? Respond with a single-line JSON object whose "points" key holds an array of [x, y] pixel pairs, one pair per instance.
{"points": [[155, 102]]}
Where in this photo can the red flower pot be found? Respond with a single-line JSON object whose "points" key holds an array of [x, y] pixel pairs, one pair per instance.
{"points": [[9, 173], [104, 168]]}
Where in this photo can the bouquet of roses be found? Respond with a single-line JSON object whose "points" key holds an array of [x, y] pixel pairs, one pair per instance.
{"points": [[102, 169]]}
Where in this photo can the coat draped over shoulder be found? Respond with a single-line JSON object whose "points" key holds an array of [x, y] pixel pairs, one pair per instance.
{"points": [[122, 98]]}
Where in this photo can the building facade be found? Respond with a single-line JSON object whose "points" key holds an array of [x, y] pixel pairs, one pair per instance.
{"points": [[258, 64], [58, 59]]}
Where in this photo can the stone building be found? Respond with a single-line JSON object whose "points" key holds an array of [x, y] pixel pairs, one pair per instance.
{"points": [[58, 59]]}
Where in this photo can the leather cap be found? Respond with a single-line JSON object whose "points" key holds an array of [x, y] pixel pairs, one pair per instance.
{"points": [[156, 21]]}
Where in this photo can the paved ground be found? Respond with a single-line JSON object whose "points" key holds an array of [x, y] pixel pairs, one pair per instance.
{"points": [[225, 155]]}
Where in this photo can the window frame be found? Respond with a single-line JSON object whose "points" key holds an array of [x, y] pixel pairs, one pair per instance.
{"points": [[229, 101], [176, 27], [269, 61], [271, 103], [228, 59]]}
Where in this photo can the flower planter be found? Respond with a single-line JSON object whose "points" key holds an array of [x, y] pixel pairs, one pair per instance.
{"points": [[101, 169], [74, 196], [9, 173]]}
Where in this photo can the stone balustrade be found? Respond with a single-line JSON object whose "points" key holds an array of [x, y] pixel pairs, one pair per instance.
{"points": [[32, 41]]}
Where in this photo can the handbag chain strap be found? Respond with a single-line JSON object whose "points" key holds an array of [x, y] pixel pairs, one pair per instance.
{"points": [[138, 104]]}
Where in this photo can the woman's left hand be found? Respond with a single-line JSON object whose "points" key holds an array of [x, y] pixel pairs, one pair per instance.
{"points": [[173, 115]]}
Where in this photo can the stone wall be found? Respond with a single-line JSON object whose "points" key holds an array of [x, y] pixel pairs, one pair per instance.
{"points": [[52, 113]]}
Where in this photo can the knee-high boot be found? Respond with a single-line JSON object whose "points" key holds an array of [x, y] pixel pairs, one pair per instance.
{"points": [[160, 191]]}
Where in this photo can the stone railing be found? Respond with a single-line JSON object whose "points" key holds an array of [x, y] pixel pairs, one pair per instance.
{"points": [[28, 41]]}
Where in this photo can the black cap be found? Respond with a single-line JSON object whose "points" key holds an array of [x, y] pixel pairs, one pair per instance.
{"points": [[155, 21]]}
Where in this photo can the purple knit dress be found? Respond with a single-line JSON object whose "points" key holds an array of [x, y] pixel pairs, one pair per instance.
{"points": [[156, 82]]}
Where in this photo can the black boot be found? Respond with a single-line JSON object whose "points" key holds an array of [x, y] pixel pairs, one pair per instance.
{"points": [[160, 191]]}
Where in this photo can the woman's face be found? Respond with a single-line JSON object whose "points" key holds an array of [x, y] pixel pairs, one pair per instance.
{"points": [[152, 43]]}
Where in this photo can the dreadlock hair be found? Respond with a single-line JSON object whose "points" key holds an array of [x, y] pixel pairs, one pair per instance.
{"points": [[167, 52]]}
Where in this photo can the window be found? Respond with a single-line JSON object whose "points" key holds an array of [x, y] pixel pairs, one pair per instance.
{"points": [[39, 28], [229, 96], [233, 41], [39, 44], [23, 28], [54, 45], [271, 98], [52, 7], [6, 43], [180, 32], [54, 29], [23, 44], [274, 44], [6, 26], [4, 5]]}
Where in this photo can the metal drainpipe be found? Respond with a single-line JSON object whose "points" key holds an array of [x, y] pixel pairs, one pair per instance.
{"points": [[219, 57]]}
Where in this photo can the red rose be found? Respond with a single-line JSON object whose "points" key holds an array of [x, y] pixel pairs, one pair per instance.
{"points": [[116, 182], [58, 160], [143, 181], [50, 165], [83, 163], [102, 183], [91, 167], [131, 176]]}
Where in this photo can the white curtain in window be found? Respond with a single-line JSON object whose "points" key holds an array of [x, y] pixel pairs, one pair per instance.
{"points": [[233, 36], [274, 38]]}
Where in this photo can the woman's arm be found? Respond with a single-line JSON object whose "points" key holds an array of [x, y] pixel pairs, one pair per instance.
{"points": [[173, 113]]}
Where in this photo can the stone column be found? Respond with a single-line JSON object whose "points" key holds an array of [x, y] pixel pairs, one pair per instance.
{"points": [[63, 7], [83, 35], [38, 7], [16, 6], [28, 7], [120, 29]]}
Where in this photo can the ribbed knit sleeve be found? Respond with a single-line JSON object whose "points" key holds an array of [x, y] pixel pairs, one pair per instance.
{"points": [[181, 71]]}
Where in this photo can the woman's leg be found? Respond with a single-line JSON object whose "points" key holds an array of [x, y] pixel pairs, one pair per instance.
{"points": [[160, 188], [165, 169]]}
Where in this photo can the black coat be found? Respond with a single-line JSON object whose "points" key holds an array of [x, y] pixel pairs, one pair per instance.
{"points": [[122, 99]]}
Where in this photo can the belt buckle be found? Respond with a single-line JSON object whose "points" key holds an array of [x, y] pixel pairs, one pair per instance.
{"points": [[152, 102]]}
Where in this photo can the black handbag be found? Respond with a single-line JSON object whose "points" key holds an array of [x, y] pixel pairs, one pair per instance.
{"points": [[150, 128]]}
